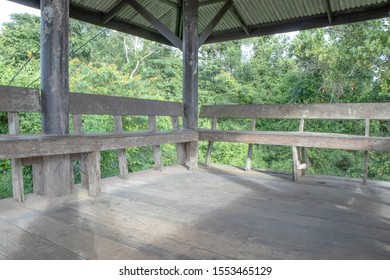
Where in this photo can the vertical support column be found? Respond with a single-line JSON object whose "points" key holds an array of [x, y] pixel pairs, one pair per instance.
{"points": [[179, 146], [156, 148], [123, 167], [55, 90], [190, 76], [250, 150], [16, 163], [210, 145], [365, 159]]}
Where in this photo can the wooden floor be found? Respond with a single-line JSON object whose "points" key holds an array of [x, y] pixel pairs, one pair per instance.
{"points": [[214, 213]]}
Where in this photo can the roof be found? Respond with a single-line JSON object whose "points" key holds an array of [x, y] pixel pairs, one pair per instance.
{"points": [[238, 18]]}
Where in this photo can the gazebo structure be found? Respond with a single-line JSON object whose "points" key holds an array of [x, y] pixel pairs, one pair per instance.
{"points": [[187, 25]]}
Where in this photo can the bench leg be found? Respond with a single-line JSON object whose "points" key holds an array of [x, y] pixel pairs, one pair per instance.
{"points": [[296, 164], [92, 174], [365, 168], [249, 158], [208, 154], [37, 174], [17, 180], [123, 167], [56, 175], [157, 157], [192, 155]]}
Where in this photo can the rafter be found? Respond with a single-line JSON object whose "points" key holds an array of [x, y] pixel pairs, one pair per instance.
{"points": [[113, 12], [179, 20], [329, 11], [157, 24], [209, 29], [240, 19]]}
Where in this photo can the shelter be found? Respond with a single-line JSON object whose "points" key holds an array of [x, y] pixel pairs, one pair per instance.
{"points": [[186, 25]]}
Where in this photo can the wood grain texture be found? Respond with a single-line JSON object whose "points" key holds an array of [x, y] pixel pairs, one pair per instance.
{"points": [[16, 164], [250, 150], [210, 144], [79, 130], [179, 146], [156, 148], [22, 146], [81, 103], [123, 167], [365, 154], [19, 99], [56, 175], [339, 111], [299, 139], [93, 173]]}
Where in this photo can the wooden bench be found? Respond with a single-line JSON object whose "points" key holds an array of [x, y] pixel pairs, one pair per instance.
{"points": [[32, 149], [301, 139]]}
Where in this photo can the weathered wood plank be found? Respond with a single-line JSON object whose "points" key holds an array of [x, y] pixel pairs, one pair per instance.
{"points": [[179, 146], [19, 99], [92, 175], [56, 175], [123, 167], [300, 139], [156, 148], [19, 244], [339, 111], [37, 174], [365, 159], [192, 155], [78, 130], [16, 164], [250, 149], [41, 145], [296, 163], [81, 103], [210, 144]]}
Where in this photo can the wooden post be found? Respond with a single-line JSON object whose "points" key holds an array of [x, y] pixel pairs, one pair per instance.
{"points": [[55, 90], [190, 76], [298, 168], [92, 177], [179, 146], [303, 156], [156, 149], [210, 145], [250, 149], [16, 164], [123, 167], [365, 159], [78, 129]]}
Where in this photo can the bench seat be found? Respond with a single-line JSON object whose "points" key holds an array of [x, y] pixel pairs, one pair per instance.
{"points": [[299, 139], [23, 146]]}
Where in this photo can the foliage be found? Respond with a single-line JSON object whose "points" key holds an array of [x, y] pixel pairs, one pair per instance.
{"points": [[348, 63]]}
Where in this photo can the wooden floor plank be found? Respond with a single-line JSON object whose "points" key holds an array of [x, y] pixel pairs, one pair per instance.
{"points": [[16, 243], [216, 213]]}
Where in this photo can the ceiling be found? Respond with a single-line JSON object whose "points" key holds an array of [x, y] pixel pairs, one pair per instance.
{"points": [[233, 19]]}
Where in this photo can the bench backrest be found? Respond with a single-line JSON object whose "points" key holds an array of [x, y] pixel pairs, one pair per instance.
{"points": [[339, 111], [17, 99]]}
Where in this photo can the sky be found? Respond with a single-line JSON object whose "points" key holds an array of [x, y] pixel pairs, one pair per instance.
{"points": [[7, 8]]}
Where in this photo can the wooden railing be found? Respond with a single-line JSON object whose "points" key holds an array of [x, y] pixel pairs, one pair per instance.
{"points": [[301, 139], [86, 147]]}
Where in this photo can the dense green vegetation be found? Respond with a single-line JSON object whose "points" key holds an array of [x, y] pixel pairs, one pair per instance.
{"points": [[347, 63]]}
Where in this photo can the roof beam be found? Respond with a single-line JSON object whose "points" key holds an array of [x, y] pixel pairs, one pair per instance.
{"points": [[179, 20], [303, 24], [240, 19], [165, 31], [209, 29], [107, 17], [210, 2], [168, 2], [329, 11]]}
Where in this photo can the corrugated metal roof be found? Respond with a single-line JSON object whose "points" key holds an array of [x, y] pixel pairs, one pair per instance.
{"points": [[252, 16]]}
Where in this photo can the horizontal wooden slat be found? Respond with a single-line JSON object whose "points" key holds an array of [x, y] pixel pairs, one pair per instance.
{"points": [[22, 146], [81, 103], [18, 99], [300, 139], [339, 111]]}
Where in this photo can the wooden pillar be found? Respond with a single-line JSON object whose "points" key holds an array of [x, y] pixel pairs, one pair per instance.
{"points": [[190, 76], [55, 90]]}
